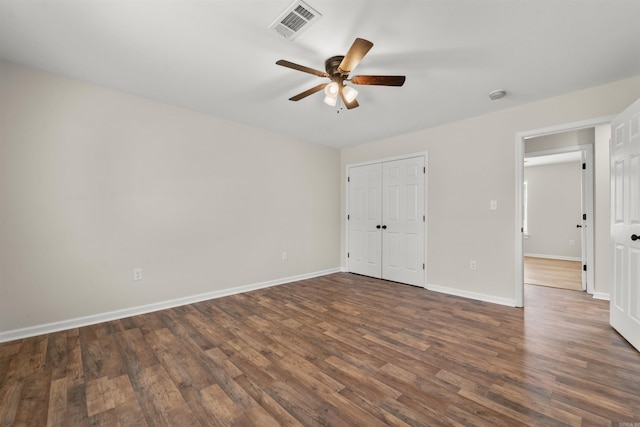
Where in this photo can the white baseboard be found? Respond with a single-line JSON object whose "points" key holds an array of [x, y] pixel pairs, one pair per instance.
{"points": [[563, 258], [472, 295], [601, 295], [78, 322]]}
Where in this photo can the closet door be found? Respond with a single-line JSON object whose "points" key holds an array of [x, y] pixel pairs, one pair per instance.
{"points": [[403, 229], [365, 212]]}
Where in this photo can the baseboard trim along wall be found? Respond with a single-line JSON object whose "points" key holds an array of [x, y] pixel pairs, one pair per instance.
{"points": [[601, 295], [78, 322], [563, 258], [472, 295]]}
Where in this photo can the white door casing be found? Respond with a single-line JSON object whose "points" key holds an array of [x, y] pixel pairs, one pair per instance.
{"points": [[624, 310], [583, 223], [387, 221], [587, 230]]}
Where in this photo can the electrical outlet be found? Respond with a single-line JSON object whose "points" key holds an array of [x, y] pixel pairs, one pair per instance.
{"points": [[137, 274], [285, 256], [473, 265]]}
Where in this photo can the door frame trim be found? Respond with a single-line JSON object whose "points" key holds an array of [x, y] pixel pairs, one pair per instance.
{"points": [[519, 179], [424, 154]]}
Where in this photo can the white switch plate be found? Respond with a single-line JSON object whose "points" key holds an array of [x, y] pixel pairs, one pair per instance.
{"points": [[493, 205], [473, 265], [285, 256], [137, 274]]}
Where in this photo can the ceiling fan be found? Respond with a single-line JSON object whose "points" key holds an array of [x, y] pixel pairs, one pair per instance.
{"points": [[337, 70]]}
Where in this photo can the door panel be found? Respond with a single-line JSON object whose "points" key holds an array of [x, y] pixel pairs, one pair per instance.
{"points": [[365, 211], [618, 192], [391, 252], [403, 210], [619, 283], [625, 227], [634, 291], [634, 188]]}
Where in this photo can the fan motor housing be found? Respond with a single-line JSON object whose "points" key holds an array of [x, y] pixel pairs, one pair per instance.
{"points": [[332, 66]]}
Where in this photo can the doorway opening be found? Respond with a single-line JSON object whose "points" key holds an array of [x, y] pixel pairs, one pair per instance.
{"points": [[563, 140], [558, 210]]}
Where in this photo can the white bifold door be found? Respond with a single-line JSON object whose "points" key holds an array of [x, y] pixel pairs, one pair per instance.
{"points": [[624, 309], [386, 220]]}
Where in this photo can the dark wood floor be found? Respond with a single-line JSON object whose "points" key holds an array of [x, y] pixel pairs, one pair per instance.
{"points": [[341, 350]]}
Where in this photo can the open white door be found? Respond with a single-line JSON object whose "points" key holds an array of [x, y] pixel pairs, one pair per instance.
{"points": [[625, 229]]}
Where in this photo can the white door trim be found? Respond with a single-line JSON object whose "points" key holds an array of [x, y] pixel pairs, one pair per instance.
{"points": [[424, 154], [519, 169], [388, 159]]}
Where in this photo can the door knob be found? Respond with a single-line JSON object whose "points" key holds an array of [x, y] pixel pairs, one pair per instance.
{"points": [[384, 227], [635, 237], [578, 226], [378, 226]]}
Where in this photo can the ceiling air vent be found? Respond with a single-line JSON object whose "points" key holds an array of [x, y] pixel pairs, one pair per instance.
{"points": [[295, 19]]}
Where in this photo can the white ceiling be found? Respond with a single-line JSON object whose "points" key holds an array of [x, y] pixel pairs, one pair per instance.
{"points": [[218, 57]]}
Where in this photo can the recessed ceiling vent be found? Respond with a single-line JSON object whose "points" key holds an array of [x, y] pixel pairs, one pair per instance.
{"points": [[295, 19]]}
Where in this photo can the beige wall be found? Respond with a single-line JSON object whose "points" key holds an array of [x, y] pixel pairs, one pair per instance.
{"points": [[560, 140], [472, 162], [95, 183], [554, 209]]}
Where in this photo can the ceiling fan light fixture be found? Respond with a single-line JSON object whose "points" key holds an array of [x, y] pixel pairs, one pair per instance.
{"points": [[331, 89], [337, 69], [349, 93], [331, 94], [331, 100]]}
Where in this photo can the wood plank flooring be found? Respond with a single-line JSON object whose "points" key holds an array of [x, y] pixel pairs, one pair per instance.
{"points": [[556, 273], [340, 350]]}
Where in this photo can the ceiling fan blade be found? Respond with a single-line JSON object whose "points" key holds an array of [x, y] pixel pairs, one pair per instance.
{"points": [[302, 68], [356, 52], [349, 105], [379, 80], [308, 92]]}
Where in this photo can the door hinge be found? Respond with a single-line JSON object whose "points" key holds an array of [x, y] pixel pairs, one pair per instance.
{"points": [[348, 217], [522, 229], [584, 166], [424, 218], [423, 265], [347, 254], [584, 267], [424, 169], [584, 216], [348, 179]]}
